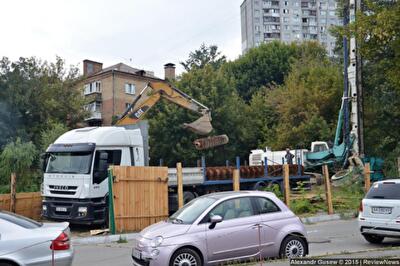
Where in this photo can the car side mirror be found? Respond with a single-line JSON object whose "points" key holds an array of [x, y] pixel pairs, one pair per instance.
{"points": [[214, 220]]}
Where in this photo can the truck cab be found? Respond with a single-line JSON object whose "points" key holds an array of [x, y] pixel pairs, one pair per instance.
{"points": [[317, 146], [75, 186]]}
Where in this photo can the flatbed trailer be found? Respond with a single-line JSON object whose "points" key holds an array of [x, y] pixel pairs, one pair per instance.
{"points": [[196, 182]]}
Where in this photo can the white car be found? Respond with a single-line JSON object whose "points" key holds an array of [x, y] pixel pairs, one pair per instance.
{"points": [[24, 242], [379, 215]]}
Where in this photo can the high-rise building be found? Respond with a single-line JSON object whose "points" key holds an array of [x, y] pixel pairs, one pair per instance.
{"points": [[288, 21]]}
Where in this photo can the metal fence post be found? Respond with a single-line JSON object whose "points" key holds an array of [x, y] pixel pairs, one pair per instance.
{"points": [[111, 216], [265, 167], [237, 162]]}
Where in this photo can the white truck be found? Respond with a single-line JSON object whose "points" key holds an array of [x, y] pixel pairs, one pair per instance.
{"points": [[75, 184], [257, 157]]}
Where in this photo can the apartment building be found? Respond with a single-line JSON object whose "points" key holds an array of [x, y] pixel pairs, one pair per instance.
{"points": [[109, 91], [288, 21]]}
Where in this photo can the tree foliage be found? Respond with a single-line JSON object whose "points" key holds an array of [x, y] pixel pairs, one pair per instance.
{"points": [[38, 101], [17, 157], [173, 143], [265, 65], [49, 135], [35, 94], [377, 30], [295, 104], [205, 55]]}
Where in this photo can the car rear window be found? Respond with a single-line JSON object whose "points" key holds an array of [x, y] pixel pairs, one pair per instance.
{"points": [[19, 220], [385, 190]]}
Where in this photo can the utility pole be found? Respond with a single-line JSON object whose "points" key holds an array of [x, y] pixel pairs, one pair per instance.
{"points": [[360, 93], [354, 81]]}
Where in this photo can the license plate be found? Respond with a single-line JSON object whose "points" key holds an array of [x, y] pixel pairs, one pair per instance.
{"points": [[381, 210], [61, 209], [137, 254]]}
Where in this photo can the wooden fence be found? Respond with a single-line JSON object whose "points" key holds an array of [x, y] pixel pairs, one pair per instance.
{"points": [[28, 204], [140, 196]]}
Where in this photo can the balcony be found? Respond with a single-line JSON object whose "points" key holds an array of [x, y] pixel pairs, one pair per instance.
{"points": [[93, 97], [94, 115]]}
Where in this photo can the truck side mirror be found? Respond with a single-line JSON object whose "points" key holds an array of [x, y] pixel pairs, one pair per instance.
{"points": [[103, 156], [44, 160]]}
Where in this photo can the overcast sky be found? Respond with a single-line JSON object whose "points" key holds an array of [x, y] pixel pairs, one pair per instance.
{"points": [[142, 33]]}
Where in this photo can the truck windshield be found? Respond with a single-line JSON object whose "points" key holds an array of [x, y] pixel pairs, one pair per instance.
{"points": [[69, 162]]}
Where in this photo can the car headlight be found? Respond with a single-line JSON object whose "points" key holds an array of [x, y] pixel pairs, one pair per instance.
{"points": [[155, 242]]}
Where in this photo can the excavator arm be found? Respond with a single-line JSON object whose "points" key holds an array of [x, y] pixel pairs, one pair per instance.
{"points": [[157, 90]]}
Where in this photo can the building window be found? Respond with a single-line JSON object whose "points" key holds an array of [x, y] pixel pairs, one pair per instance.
{"points": [[286, 3], [130, 88], [323, 13], [285, 19], [92, 87], [332, 12], [286, 11], [257, 28]]}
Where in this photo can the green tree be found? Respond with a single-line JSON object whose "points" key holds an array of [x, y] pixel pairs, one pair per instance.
{"points": [[377, 30], [205, 55], [35, 94], [308, 102], [173, 143], [18, 157], [49, 135], [264, 65]]}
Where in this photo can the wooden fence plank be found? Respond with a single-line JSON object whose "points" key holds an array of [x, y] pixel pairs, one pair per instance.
{"points": [[328, 192], [286, 184], [28, 204], [140, 196]]}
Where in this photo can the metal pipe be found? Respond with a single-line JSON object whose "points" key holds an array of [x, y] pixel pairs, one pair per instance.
{"points": [[203, 166]]}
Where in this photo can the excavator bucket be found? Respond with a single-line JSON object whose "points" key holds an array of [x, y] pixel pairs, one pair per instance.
{"points": [[201, 126]]}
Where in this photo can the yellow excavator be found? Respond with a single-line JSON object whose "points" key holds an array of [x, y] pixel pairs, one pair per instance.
{"points": [[161, 89]]}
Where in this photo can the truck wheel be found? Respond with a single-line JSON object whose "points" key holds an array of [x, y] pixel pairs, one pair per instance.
{"points": [[373, 239], [188, 196]]}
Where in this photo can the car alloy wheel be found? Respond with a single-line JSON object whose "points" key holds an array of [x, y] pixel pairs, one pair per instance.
{"points": [[294, 248], [185, 259]]}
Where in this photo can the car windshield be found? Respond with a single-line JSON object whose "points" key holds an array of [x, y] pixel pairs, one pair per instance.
{"points": [[69, 162], [191, 211], [19, 220], [385, 190]]}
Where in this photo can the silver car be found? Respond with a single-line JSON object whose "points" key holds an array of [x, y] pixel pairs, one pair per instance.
{"points": [[221, 227], [24, 242]]}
